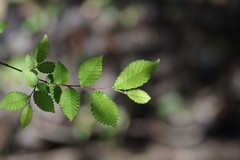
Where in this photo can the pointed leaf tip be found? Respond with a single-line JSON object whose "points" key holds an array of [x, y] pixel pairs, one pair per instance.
{"points": [[135, 74], [138, 96], [26, 116], [90, 71], [42, 49]]}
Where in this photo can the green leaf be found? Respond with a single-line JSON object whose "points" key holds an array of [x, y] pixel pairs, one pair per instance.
{"points": [[138, 96], [46, 67], [2, 26], [14, 100], [135, 74], [90, 71], [42, 49], [49, 78], [70, 102], [30, 78], [56, 92], [43, 87], [60, 73], [104, 109], [43, 101], [35, 72], [26, 116], [30, 62]]}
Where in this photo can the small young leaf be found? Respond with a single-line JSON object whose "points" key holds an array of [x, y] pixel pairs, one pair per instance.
{"points": [[35, 72], [42, 49], [44, 101], [26, 116], [30, 78], [70, 102], [14, 100], [56, 92], [49, 78], [43, 87], [104, 109], [135, 74], [46, 67], [60, 73], [2, 26], [138, 96], [30, 62], [90, 71]]}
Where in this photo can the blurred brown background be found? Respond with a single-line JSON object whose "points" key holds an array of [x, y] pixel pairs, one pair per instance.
{"points": [[194, 113]]}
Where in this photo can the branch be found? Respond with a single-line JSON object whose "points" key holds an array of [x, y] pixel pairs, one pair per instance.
{"points": [[65, 85], [7, 65]]}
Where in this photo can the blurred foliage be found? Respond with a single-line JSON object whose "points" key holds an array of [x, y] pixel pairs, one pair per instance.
{"points": [[173, 108], [39, 17], [129, 16], [170, 103]]}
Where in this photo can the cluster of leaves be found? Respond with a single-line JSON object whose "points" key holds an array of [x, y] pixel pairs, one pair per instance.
{"points": [[54, 88]]}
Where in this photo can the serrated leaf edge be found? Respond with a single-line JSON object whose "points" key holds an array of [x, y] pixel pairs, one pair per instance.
{"points": [[14, 107], [78, 101], [99, 120], [51, 102], [82, 81], [138, 96], [30, 64], [29, 106], [115, 86], [38, 45]]}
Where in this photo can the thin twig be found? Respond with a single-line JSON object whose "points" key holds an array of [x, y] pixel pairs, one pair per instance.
{"points": [[29, 100], [7, 65], [123, 92], [65, 85]]}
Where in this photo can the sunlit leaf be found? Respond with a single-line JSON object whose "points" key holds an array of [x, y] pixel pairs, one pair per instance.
{"points": [[14, 100], [60, 73], [104, 109], [135, 74], [30, 62], [90, 71], [138, 96], [26, 116], [70, 102], [30, 78]]}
